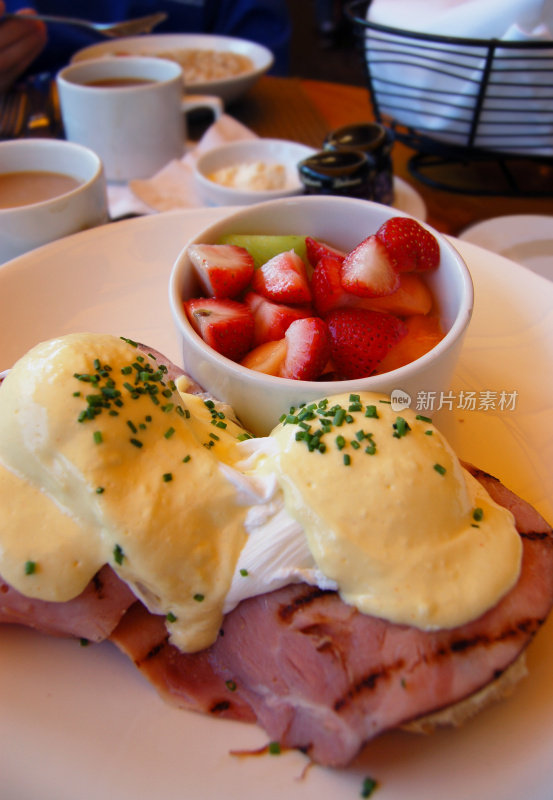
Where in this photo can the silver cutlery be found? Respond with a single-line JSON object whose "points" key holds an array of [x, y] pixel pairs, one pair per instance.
{"points": [[13, 113], [131, 27]]}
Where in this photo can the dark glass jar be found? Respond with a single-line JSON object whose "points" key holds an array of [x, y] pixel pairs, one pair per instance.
{"points": [[334, 172], [376, 141]]}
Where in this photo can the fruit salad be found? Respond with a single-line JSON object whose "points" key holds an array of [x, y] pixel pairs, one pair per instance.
{"points": [[297, 307]]}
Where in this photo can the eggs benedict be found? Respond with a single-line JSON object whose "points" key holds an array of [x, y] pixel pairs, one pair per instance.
{"points": [[346, 528]]}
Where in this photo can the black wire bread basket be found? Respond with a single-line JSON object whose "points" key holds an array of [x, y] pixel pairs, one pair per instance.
{"points": [[481, 108]]}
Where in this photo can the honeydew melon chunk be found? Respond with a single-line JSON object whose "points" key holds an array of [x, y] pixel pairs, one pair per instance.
{"points": [[264, 246]]}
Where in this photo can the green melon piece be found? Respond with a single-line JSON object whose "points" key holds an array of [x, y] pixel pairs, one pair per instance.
{"points": [[263, 247]]}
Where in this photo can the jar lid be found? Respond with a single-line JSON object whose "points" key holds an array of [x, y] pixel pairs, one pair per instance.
{"points": [[368, 137], [334, 169]]}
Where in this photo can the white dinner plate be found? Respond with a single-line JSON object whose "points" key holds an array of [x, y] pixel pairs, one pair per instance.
{"points": [[228, 88], [524, 238], [81, 722]]}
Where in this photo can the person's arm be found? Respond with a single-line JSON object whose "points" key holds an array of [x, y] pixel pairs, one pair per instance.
{"points": [[21, 41]]}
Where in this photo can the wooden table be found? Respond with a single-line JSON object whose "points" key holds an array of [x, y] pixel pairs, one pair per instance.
{"points": [[306, 110]]}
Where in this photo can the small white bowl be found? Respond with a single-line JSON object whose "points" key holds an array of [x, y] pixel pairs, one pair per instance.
{"points": [[266, 151], [23, 228], [259, 400], [228, 88]]}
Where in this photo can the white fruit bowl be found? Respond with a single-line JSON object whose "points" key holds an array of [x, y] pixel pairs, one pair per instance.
{"points": [[258, 399]]}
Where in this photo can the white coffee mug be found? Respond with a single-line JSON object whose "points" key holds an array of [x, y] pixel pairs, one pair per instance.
{"points": [[36, 165], [130, 111]]}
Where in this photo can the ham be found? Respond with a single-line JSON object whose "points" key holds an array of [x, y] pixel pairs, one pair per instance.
{"points": [[318, 675], [92, 615]]}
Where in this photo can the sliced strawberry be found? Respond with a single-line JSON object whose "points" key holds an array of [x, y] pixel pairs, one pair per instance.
{"points": [[367, 271], [316, 250], [225, 325], [360, 339], [224, 270], [409, 245], [268, 357], [307, 349], [326, 285], [283, 279], [272, 319]]}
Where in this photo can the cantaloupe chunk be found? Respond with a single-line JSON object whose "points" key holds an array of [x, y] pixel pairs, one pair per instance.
{"points": [[267, 357], [412, 297], [423, 333]]}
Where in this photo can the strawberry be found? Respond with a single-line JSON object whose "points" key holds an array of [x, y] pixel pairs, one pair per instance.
{"points": [[409, 245], [360, 339], [316, 250], [267, 357], [326, 285], [272, 319], [225, 325], [224, 270], [367, 271], [307, 349], [283, 279]]}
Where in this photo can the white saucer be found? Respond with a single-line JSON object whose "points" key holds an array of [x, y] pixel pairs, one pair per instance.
{"points": [[524, 238]]}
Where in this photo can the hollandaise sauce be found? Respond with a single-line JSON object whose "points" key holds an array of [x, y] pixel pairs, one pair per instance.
{"points": [[103, 462], [390, 514]]}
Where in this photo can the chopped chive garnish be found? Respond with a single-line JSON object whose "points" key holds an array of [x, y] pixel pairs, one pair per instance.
{"points": [[186, 459], [167, 477], [368, 787], [169, 432], [371, 411], [423, 419], [274, 748], [244, 573], [440, 469], [97, 436], [170, 617], [118, 554], [30, 567], [478, 514], [347, 460], [401, 427], [199, 597], [136, 442], [100, 490], [231, 685]]}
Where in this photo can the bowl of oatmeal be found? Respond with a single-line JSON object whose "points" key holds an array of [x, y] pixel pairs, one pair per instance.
{"points": [[243, 172], [224, 66]]}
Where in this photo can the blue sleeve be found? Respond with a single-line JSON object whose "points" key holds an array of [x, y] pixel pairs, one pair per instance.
{"points": [[263, 21]]}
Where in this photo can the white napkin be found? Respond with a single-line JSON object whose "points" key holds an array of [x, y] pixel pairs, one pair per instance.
{"points": [[173, 187], [520, 82]]}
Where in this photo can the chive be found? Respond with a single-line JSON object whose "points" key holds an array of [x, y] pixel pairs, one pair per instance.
{"points": [[167, 477], [97, 435], [477, 514], [401, 427], [244, 573], [231, 686], [132, 426], [100, 490], [170, 617], [368, 787], [423, 419], [30, 567], [371, 411], [169, 432], [354, 398], [440, 469], [429, 433], [347, 460], [199, 597], [136, 442], [340, 442], [118, 554], [339, 417], [274, 748], [186, 459], [83, 642]]}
